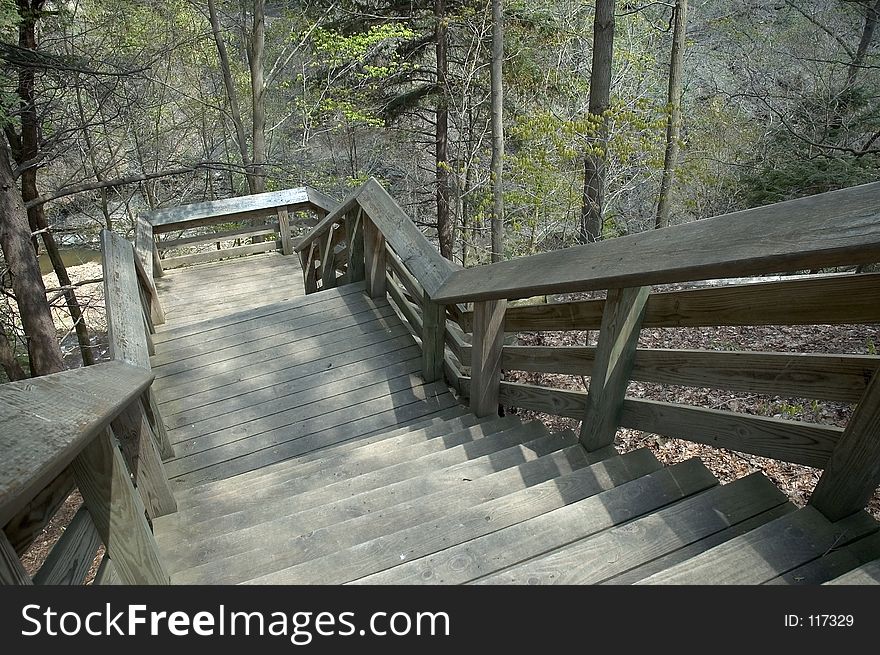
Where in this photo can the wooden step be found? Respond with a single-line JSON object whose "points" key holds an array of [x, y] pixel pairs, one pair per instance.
{"points": [[455, 418], [865, 574], [833, 564], [300, 478], [491, 553], [318, 566], [768, 551], [627, 546], [513, 466]]}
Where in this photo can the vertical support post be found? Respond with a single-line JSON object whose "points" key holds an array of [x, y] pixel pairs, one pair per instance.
{"points": [[488, 340], [433, 339], [328, 268], [11, 569], [139, 449], [118, 512], [158, 271], [374, 259], [144, 244], [615, 354], [151, 408], [853, 470], [355, 234], [284, 229], [310, 275]]}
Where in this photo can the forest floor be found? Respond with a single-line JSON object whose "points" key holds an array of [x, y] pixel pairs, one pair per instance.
{"points": [[794, 480]]}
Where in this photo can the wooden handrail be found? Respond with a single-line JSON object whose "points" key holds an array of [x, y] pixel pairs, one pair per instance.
{"points": [[838, 228]]}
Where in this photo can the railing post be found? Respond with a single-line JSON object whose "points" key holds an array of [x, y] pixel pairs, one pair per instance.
{"points": [[488, 341], [118, 512], [374, 259], [615, 354], [433, 339], [11, 570], [310, 273], [354, 229], [328, 268], [853, 470], [284, 229]]}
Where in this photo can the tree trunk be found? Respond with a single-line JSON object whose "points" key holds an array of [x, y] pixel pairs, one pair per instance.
{"points": [[592, 207], [497, 131], [673, 123], [29, 13], [255, 48], [24, 269], [445, 228], [231, 94], [10, 365], [855, 66]]}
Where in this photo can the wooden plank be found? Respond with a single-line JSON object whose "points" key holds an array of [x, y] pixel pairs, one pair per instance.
{"points": [[157, 314], [816, 300], [35, 515], [486, 357], [433, 339], [310, 273], [11, 570], [609, 553], [374, 259], [154, 416], [128, 341], [214, 237], [355, 232], [225, 253], [797, 375], [284, 228], [348, 204], [228, 210], [138, 446], [106, 574], [838, 228], [72, 556], [410, 283], [866, 574], [833, 564], [409, 311], [143, 245], [768, 551], [48, 420], [328, 264], [532, 538], [615, 352], [118, 513], [852, 473], [158, 271]]}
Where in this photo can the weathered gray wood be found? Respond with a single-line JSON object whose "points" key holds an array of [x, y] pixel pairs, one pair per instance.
{"points": [[831, 565], [768, 551], [157, 314], [106, 574], [229, 210], [72, 556], [852, 473], [486, 357], [789, 441], [355, 232], [138, 446], [118, 513], [214, 237], [225, 253], [609, 553], [866, 574], [615, 352], [374, 259], [125, 327], [29, 521], [284, 228], [158, 271], [839, 228], [143, 245], [410, 312], [371, 554], [825, 377], [310, 272], [11, 569], [535, 537], [818, 300], [154, 416], [48, 420], [433, 339], [410, 283], [328, 264], [151, 347]]}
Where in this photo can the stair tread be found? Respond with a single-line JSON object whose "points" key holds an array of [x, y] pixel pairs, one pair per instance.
{"points": [[868, 573], [488, 554], [833, 564], [390, 549]]}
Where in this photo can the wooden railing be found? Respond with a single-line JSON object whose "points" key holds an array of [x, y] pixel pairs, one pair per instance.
{"points": [[271, 215], [369, 237], [98, 428]]}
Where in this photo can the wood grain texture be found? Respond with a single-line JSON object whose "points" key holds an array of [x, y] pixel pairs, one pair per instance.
{"points": [[143, 245], [853, 471], [157, 314], [328, 264], [157, 423], [838, 228], [214, 237], [48, 420], [615, 352], [72, 556], [11, 569], [223, 253], [374, 259], [833, 564], [355, 232], [118, 513], [863, 575], [125, 327], [433, 339], [488, 341], [284, 229]]}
